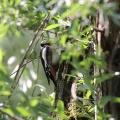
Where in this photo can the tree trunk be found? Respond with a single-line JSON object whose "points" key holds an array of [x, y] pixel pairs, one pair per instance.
{"points": [[111, 87]]}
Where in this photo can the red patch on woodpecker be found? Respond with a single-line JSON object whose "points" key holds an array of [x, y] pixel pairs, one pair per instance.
{"points": [[53, 70]]}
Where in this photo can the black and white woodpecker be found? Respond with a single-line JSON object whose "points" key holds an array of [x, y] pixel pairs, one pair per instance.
{"points": [[50, 61]]}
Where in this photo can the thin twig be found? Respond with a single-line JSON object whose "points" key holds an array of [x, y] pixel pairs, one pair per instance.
{"points": [[23, 65], [73, 90], [99, 29], [74, 94], [30, 45], [36, 78], [42, 25], [11, 116], [98, 37]]}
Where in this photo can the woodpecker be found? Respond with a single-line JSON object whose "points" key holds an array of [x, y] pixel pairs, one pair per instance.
{"points": [[50, 61]]}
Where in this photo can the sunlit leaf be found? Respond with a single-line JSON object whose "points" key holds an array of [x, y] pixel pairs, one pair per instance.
{"points": [[1, 56], [60, 106], [2, 68], [116, 99], [63, 39], [33, 102], [88, 94], [8, 111], [60, 110], [1, 83], [3, 29], [5, 92], [23, 111], [89, 28], [72, 10], [52, 26], [17, 2]]}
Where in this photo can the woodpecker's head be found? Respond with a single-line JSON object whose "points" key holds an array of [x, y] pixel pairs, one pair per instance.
{"points": [[45, 43]]}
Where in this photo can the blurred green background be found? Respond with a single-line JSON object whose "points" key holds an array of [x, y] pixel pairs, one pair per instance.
{"points": [[14, 48]]}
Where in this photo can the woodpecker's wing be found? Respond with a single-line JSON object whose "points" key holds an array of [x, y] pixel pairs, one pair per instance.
{"points": [[50, 67], [43, 61], [46, 59]]}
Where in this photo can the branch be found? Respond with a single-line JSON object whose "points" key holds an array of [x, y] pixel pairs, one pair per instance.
{"points": [[74, 94], [99, 29], [42, 25], [24, 65], [36, 78], [60, 82], [11, 116]]}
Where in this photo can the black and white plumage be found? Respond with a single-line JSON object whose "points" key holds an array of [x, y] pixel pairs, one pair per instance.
{"points": [[50, 61]]}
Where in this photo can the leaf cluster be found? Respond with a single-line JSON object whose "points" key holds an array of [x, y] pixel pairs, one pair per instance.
{"points": [[71, 29]]}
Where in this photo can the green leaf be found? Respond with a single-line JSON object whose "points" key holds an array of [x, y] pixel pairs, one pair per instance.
{"points": [[52, 26], [2, 68], [82, 87], [5, 78], [60, 110], [8, 111], [44, 109], [88, 94], [5, 92], [60, 106], [116, 99], [3, 29], [104, 77], [89, 28], [23, 111], [63, 39], [1, 56], [104, 100], [34, 102], [71, 11]]}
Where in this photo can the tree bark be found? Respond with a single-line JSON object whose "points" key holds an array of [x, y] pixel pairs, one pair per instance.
{"points": [[111, 87]]}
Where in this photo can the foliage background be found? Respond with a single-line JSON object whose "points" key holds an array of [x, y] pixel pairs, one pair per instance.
{"points": [[68, 25]]}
